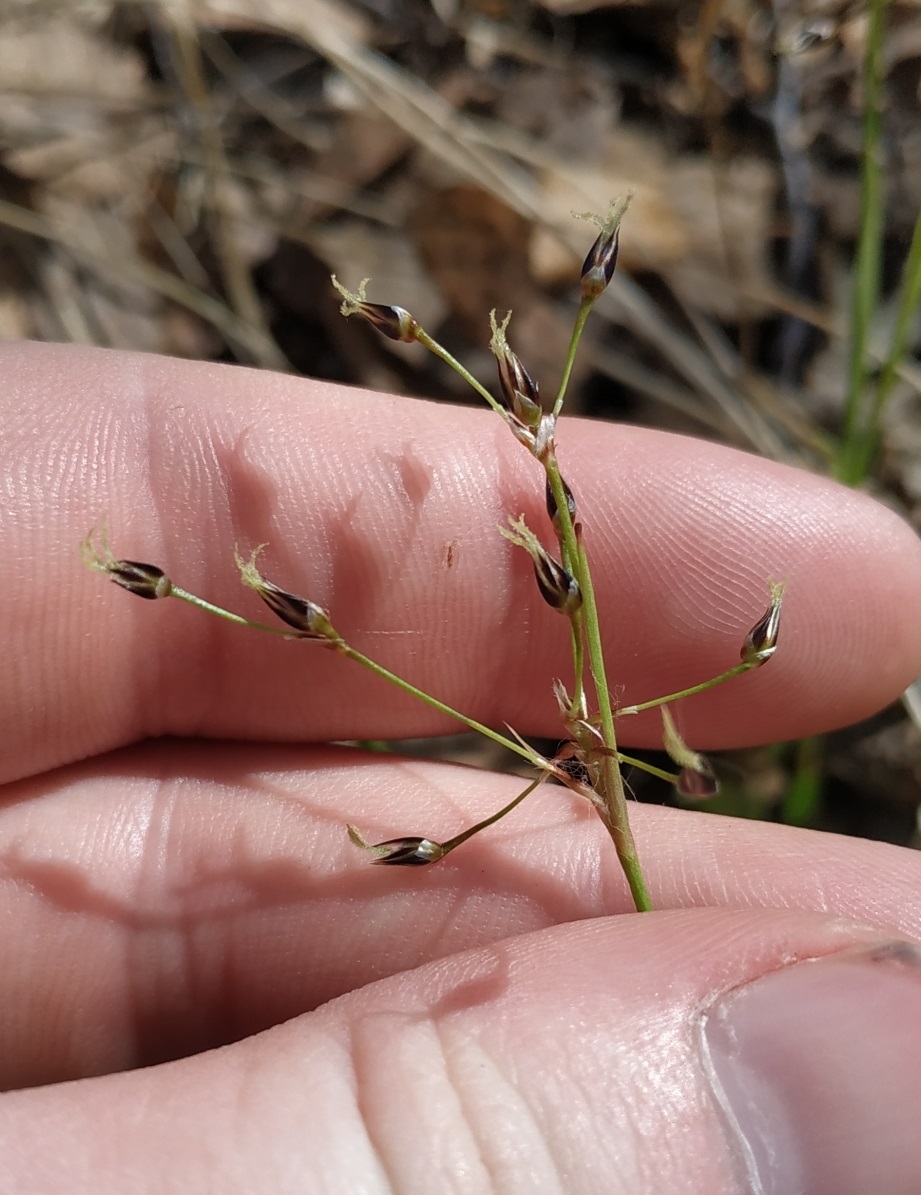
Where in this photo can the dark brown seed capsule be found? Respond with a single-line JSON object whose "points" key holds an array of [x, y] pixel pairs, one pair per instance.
{"points": [[394, 322], [600, 263], [146, 580], [305, 616], [761, 641], [698, 783], [408, 852], [519, 389], [553, 510], [558, 588]]}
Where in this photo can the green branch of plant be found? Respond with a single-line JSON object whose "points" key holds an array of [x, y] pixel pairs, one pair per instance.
{"points": [[589, 760], [863, 411], [869, 386]]}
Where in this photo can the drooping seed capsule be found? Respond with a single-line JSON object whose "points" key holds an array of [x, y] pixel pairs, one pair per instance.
{"points": [[145, 580], [601, 260], [700, 783], [696, 778], [399, 852], [553, 509], [761, 641], [558, 587], [394, 322]]}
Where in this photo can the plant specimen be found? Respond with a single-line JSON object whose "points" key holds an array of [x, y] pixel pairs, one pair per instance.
{"points": [[589, 761]]}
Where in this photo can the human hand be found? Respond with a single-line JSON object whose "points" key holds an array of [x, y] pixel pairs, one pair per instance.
{"points": [[165, 895]]}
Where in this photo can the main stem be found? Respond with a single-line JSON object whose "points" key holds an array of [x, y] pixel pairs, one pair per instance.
{"points": [[612, 794]]}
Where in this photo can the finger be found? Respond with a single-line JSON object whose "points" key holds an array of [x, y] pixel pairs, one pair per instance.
{"points": [[172, 898], [385, 511], [695, 1051]]}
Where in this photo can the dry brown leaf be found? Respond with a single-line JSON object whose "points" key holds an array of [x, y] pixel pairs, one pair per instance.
{"points": [[563, 8], [476, 250], [59, 59], [332, 22]]}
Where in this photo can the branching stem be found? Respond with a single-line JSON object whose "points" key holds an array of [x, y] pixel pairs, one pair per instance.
{"points": [[589, 761], [729, 674], [343, 648]]}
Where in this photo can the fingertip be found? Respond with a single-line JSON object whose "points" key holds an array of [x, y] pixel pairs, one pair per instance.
{"points": [[727, 524]]}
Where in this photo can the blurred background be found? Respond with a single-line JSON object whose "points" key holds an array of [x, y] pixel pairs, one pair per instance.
{"points": [[182, 177]]}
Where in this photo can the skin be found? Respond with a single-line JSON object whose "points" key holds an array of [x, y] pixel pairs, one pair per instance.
{"points": [[176, 879]]}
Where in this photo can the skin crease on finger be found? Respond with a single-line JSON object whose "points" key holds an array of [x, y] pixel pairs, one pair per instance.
{"points": [[386, 510], [526, 1066], [172, 897]]}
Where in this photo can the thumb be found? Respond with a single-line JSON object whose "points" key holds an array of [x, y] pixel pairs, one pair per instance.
{"points": [[702, 1051]]}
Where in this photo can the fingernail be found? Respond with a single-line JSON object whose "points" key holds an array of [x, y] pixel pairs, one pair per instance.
{"points": [[817, 1071]]}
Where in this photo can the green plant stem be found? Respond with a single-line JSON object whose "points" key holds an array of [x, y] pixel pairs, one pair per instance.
{"points": [[803, 800], [524, 752], [442, 353], [570, 558], [613, 795], [585, 310], [229, 616], [650, 768], [859, 430], [491, 820], [909, 299], [345, 649], [729, 674], [586, 633]]}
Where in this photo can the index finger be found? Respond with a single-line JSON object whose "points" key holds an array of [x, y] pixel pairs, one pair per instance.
{"points": [[384, 510]]}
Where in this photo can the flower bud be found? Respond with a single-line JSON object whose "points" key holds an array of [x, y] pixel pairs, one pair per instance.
{"points": [[146, 580], [600, 264], [410, 852], [761, 641]]}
